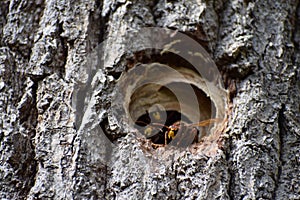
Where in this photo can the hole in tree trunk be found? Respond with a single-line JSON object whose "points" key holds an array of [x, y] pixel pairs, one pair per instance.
{"points": [[164, 87]]}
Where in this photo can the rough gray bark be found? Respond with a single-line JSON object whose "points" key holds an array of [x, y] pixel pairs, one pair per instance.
{"points": [[44, 57]]}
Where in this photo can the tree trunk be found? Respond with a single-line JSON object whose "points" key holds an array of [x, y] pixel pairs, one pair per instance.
{"points": [[64, 134]]}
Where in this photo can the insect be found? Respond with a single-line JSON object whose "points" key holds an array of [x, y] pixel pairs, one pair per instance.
{"points": [[183, 134], [179, 134]]}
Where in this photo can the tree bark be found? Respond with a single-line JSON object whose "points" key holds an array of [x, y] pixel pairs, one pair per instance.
{"points": [[55, 96]]}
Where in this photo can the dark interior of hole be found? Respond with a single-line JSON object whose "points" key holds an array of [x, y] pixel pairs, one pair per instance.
{"points": [[159, 127], [209, 106], [153, 55]]}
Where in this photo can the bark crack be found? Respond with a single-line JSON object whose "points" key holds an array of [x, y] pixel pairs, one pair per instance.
{"points": [[230, 173], [64, 50], [281, 126], [31, 140]]}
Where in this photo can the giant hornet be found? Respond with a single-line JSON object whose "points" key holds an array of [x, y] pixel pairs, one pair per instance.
{"points": [[180, 133]]}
